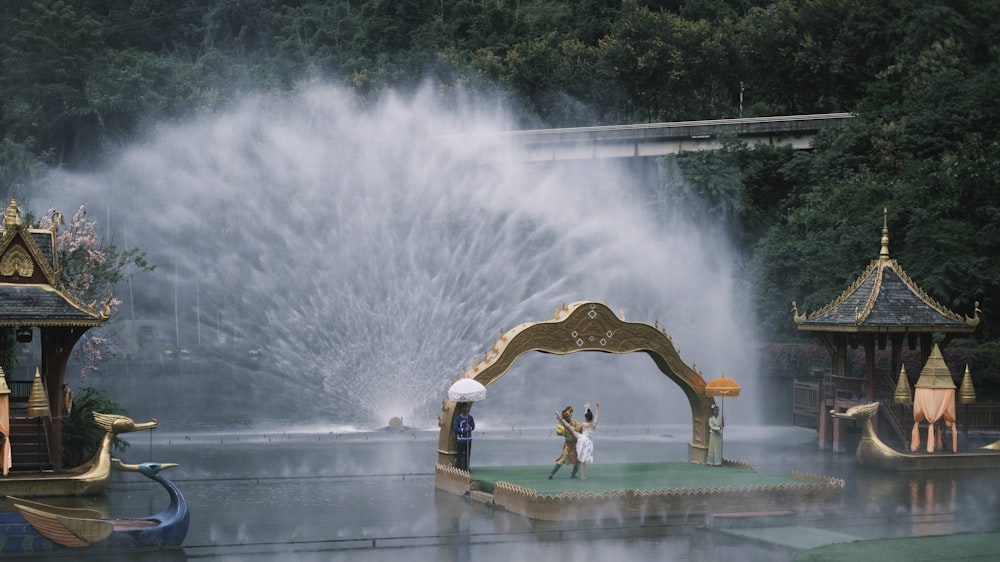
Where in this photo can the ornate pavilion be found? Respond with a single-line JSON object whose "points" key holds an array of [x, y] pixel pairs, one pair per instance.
{"points": [[882, 307], [34, 303]]}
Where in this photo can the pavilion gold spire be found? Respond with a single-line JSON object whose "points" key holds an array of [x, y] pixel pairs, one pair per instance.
{"points": [[903, 394], [884, 252], [38, 400], [966, 393]]}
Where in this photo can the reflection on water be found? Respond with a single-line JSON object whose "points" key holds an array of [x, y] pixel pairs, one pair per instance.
{"points": [[932, 507], [370, 495]]}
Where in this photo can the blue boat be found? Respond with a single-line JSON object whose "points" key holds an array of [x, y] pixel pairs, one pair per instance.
{"points": [[37, 527]]}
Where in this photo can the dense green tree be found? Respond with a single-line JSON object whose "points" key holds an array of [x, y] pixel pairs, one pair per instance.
{"points": [[84, 76], [316, 37], [923, 148], [19, 166], [46, 62]]}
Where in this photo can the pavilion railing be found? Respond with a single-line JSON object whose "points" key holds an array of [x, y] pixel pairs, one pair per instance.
{"points": [[19, 391], [812, 397]]}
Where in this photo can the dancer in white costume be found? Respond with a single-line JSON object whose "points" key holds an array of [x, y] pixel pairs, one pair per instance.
{"points": [[584, 437]]}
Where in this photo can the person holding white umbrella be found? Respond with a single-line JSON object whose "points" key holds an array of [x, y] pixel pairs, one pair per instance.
{"points": [[465, 391], [464, 425]]}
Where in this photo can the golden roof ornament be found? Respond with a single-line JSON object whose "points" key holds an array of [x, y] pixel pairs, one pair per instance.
{"points": [[12, 216], [57, 219], [935, 373], [902, 394], [38, 400], [966, 393], [884, 252], [853, 309]]}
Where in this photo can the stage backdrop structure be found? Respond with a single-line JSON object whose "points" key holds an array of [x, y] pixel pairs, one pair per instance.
{"points": [[590, 326], [586, 326]]}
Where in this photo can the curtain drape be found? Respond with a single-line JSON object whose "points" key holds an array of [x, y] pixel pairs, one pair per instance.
{"points": [[933, 405]]}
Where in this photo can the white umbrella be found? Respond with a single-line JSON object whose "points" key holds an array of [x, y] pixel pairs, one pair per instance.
{"points": [[467, 390]]}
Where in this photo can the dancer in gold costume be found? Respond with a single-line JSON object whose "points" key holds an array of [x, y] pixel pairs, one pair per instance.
{"points": [[568, 455]]}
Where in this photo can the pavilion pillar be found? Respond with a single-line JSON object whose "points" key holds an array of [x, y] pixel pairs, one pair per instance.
{"points": [[830, 427], [839, 435], [57, 345], [896, 361], [870, 368], [926, 345], [825, 420]]}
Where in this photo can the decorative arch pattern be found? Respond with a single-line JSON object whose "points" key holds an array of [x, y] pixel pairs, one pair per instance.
{"points": [[587, 326]]}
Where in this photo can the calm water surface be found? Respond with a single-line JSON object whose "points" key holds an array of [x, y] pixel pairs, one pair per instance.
{"points": [[369, 495]]}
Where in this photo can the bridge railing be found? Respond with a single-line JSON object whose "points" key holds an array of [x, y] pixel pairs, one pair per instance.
{"points": [[648, 139]]}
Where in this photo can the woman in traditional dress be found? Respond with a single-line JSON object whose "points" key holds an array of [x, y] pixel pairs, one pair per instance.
{"points": [[584, 437], [715, 438]]}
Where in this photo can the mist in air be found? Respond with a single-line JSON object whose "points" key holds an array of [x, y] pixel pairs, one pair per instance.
{"points": [[368, 255]]}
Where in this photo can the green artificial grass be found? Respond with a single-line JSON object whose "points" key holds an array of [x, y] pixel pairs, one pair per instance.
{"points": [[602, 478]]}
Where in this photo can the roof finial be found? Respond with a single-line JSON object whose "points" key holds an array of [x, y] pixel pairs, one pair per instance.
{"points": [[12, 216], [884, 253]]}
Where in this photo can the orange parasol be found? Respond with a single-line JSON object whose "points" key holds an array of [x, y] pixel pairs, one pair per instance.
{"points": [[722, 387]]}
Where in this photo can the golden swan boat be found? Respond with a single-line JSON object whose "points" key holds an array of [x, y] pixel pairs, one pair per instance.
{"points": [[873, 452], [90, 478]]}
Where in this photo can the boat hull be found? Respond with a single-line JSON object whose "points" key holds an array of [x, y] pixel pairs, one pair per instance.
{"points": [[873, 452], [163, 530], [17, 536], [89, 479], [878, 455]]}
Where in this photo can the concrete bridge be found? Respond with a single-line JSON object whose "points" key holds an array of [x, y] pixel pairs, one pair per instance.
{"points": [[657, 139]]}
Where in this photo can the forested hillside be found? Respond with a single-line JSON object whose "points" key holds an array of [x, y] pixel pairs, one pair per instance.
{"points": [[83, 77]]}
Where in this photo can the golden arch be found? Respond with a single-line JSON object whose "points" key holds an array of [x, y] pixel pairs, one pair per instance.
{"points": [[587, 326]]}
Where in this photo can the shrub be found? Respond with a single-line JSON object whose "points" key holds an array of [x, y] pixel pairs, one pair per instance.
{"points": [[81, 436]]}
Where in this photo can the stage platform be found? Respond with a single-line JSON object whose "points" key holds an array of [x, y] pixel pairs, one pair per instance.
{"points": [[652, 490]]}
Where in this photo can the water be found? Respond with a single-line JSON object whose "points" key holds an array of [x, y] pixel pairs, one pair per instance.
{"points": [[369, 495]]}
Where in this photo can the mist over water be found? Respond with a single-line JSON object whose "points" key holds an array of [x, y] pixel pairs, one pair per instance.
{"points": [[367, 255]]}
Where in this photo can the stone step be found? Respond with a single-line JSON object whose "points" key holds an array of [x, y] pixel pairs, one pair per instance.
{"points": [[748, 519]]}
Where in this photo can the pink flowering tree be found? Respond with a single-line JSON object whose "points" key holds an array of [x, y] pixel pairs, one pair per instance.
{"points": [[92, 267]]}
